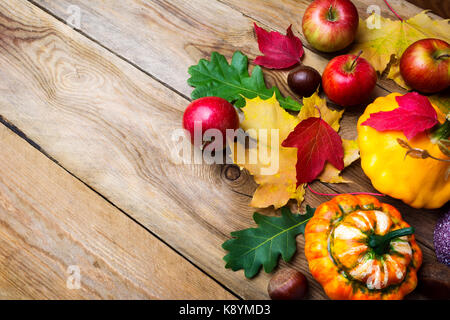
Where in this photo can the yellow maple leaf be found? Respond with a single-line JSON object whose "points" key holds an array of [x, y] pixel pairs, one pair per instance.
{"points": [[351, 153], [442, 101], [272, 165], [315, 106], [382, 38], [267, 114], [275, 188]]}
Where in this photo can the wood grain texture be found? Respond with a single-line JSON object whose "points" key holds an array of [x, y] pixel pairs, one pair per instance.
{"points": [[49, 221], [439, 7], [110, 124], [177, 36]]}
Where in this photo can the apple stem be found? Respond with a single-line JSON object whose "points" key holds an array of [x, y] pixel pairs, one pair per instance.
{"points": [[356, 58], [442, 56], [330, 14]]}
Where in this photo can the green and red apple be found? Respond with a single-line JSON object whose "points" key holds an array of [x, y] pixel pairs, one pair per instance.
{"points": [[330, 25], [348, 80], [209, 113], [425, 65]]}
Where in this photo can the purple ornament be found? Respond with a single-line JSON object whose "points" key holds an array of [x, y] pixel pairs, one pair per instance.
{"points": [[442, 239]]}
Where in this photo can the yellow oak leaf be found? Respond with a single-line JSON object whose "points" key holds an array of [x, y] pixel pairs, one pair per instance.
{"points": [[380, 39], [272, 165]]}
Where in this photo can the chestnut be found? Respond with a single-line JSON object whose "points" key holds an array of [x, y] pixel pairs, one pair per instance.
{"points": [[304, 80], [288, 284]]}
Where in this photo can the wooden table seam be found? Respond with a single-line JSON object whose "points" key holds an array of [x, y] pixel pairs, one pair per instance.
{"points": [[87, 36], [33, 144], [11, 126]]}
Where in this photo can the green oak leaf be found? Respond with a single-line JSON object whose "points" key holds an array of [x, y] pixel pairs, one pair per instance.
{"points": [[232, 82], [251, 248]]}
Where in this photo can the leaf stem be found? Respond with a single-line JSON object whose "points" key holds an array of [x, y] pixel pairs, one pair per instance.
{"points": [[320, 113], [393, 11], [439, 159], [418, 153]]}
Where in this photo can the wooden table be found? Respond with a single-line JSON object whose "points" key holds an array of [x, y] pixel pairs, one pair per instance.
{"points": [[87, 182]]}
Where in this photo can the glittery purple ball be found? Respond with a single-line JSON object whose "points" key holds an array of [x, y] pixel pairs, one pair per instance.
{"points": [[442, 239]]}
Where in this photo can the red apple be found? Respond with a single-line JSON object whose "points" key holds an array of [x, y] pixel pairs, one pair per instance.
{"points": [[209, 113], [330, 25], [348, 80], [425, 65]]}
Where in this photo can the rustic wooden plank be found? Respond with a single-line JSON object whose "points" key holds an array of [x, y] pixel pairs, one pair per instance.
{"points": [[107, 123], [174, 34], [50, 221], [110, 125], [439, 7], [114, 27], [201, 25]]}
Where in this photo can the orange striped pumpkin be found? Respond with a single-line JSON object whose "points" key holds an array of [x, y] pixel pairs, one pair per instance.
{"points": [[345, 258]]}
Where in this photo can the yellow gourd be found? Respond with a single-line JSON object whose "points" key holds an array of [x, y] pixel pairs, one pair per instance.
{"points": [[420, 183]]}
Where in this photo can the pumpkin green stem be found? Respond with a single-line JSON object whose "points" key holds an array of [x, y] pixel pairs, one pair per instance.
{"points": [[380, 244], [442, 131]]}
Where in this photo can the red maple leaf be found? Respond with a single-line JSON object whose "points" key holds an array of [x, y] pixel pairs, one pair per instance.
{"points": [[414, 115], [317, 143], [280, 51]]}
